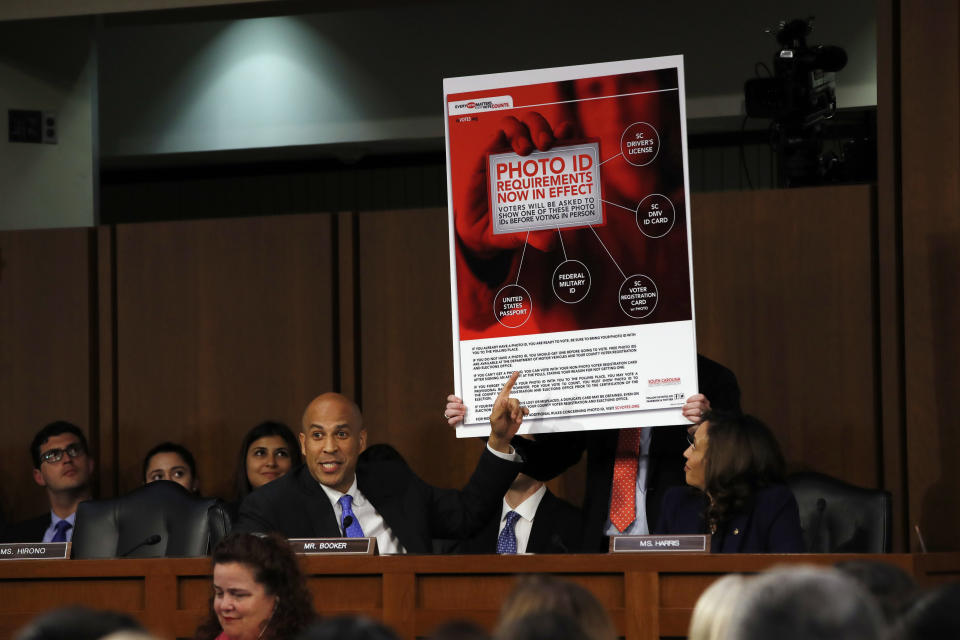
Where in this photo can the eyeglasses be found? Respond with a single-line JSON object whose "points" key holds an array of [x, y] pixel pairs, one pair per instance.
{"points": [[55, 455], [692, 441]]}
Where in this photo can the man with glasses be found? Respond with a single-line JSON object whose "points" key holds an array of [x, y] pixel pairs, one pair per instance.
{"points": [[61, 465]]}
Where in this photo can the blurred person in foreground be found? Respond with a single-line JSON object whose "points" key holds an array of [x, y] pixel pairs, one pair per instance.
{"points": [[348, 628], [934, 616], [258, 591], [541, 594], [735, 475], [892, 587], [802, 603], [543, 625], [715, 607], [459, 630], [77, 623]]}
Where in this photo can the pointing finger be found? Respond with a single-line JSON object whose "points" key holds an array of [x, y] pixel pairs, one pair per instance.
{"points": [[508, 387]]}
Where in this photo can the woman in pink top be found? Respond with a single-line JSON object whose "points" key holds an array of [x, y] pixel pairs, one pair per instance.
{"points": [[258, 591]]}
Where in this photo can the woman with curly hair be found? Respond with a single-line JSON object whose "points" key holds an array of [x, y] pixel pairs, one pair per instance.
{"points": [[736, 492], [258, 591]]}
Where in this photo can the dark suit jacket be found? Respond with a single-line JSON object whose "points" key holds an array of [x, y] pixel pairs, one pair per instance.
{"points": [[556, 528], [550, 455], [416, 512], [771, 524], [31, 530]]}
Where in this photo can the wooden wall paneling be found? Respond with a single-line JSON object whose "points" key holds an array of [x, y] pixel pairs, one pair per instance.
{"points": [[45, 347], [106, 381], [936, 569], [400, 603], [347, 382], [930, 138], [642, 590], [221, 324], [406, 360], [890, 269], [784, 297]]}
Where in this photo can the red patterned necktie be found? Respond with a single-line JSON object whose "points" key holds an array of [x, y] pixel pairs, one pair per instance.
{"points": [[623, 497]]}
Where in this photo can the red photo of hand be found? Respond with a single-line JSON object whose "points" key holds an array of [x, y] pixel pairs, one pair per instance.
{"points": [[531, 132]]}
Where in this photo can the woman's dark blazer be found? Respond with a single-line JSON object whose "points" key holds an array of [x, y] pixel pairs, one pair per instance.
{"points": [[771, 524]]}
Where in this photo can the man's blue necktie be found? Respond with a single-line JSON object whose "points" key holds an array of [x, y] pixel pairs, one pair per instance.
{"points": [[351, 527], [507, 542], [60, 531]]}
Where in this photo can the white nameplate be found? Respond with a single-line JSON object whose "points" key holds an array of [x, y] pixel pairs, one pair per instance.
{"points": [[35, 551], [659, 544], [343, 546]]}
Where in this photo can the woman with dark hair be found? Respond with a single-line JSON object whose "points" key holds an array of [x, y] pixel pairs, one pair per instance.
{"points": [[258, 591], [171, 461], [268, 451], [736, 493]]}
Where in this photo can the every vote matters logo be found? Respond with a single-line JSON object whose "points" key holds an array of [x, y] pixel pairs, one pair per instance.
{"points": [[479, 105]]}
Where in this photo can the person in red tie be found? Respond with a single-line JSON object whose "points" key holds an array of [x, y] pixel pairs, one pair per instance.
{"points": [[628, 470]]}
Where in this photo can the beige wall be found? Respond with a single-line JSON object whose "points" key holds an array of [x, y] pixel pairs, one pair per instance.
{"points": [[48, 66]]}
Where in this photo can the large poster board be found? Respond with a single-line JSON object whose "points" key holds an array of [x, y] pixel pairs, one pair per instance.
{"points": [[570, 244]]}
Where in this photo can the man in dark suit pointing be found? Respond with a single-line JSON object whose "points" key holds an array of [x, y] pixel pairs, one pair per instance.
{"points": [[346, 489]]}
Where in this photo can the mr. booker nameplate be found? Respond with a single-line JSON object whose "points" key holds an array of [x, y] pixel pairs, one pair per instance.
{"points": [[35, 551], [655, 544], [346, 546]]}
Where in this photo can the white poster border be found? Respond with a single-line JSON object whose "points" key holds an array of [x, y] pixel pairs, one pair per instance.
{"points": [[492, 82]]}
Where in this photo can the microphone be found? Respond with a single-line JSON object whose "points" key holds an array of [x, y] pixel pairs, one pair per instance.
{"points": [[556, 542], [923, 546], [346, 524], [821, 508], [149, 541]]}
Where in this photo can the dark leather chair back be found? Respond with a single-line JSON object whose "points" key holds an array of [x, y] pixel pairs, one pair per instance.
{"points": [[221, 522], [841, 518], [163, 509]]}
